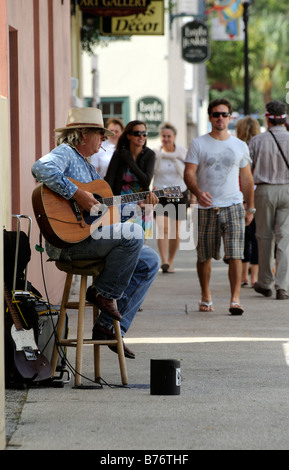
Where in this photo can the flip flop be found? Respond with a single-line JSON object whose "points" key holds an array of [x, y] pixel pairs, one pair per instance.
{"points": [[206, 306], [171, 271], [236, 308]]}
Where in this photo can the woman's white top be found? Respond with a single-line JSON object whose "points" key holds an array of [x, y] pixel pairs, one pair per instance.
{"points": [[169, 167]]}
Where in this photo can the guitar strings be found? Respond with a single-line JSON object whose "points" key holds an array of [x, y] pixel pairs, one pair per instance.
{"points": [[16, 303]]}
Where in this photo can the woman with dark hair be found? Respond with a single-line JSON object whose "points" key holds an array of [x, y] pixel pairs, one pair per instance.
{"points": [[132, 165]]}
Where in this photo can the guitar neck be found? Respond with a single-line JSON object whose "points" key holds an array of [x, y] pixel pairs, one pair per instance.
{"points": [[132, 197], [12, 309]]}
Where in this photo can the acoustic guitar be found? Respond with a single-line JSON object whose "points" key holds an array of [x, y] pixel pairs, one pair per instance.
{"points": [[31, 364], [62, 222]]}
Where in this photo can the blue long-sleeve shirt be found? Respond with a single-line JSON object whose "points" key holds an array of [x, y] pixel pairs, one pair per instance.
{"points": [[62, 162], [54, 168]]}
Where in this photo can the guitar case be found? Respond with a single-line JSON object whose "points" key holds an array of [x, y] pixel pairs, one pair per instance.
{"points": [[31, 307]]}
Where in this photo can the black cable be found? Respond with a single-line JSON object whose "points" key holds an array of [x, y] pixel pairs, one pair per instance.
{"points": [[101, 381]]}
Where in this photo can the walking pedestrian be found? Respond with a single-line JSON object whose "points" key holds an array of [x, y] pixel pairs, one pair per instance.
{"points": [[247, 128], [169, 171], [213, 165], [270, 154]]}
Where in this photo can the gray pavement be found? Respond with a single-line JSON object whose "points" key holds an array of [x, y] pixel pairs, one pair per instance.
{"points": [[235, 378]]}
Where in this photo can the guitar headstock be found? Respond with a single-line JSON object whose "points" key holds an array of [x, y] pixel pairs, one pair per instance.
{"points": [[172, 192]]}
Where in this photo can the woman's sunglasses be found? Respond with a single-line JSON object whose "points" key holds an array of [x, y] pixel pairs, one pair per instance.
{"points": [[139, 133]]}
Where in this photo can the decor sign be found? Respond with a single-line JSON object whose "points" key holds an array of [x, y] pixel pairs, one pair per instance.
{"points": [[150, 22]]}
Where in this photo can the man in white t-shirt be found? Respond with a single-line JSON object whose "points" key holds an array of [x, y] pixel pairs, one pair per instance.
{"points": [[216, 165]]}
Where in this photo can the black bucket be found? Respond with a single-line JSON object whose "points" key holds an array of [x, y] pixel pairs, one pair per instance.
{"points": [[165, 377]]}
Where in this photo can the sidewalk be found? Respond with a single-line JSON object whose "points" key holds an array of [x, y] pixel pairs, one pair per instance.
{"points": [[235, 380]]}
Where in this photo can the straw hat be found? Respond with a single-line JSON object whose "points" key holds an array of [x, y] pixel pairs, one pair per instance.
{"points": [[84, 117]]}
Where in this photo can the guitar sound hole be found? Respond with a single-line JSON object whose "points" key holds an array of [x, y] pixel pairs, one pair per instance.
{"points": [[96, 213]]}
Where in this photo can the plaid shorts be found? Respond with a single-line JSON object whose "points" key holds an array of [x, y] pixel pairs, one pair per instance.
{"points": [[217, 223]]}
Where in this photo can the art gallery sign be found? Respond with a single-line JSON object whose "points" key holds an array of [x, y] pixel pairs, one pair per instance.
{"points": [[195, 42], [113, 7], [150, 109], [127, 17]]}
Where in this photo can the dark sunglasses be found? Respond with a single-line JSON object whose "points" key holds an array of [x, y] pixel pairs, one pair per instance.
{"points": [[216, 114], [139, 133], [101, 131]]}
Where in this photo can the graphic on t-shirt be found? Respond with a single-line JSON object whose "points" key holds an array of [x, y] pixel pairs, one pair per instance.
{"points": [[217, 168]]}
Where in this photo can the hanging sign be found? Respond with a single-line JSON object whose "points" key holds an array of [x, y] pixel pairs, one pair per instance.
{"points": [[151, 22], [113, 7], [195, 42], [150, 110]]}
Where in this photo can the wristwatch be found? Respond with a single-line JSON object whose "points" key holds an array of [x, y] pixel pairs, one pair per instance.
{"points": [[252, 211]]}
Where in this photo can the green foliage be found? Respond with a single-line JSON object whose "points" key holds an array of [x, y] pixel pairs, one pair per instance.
{"points": [[226, 60], [236, 97], [268, 32], [91, 37], [273, 6]]}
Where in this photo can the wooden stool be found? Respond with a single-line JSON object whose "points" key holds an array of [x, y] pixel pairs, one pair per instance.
{"points": [[84, 268]]}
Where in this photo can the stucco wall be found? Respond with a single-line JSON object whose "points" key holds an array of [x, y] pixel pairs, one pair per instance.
{"points": [[34, 88], [3, 151], [43, 40]]}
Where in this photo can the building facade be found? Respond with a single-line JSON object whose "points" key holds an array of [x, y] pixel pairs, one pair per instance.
{"points": [[148, 72], [35, 78]]}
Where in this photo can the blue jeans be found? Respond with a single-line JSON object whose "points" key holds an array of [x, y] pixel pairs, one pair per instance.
{"points": [[130, 267], [143, 276]]}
